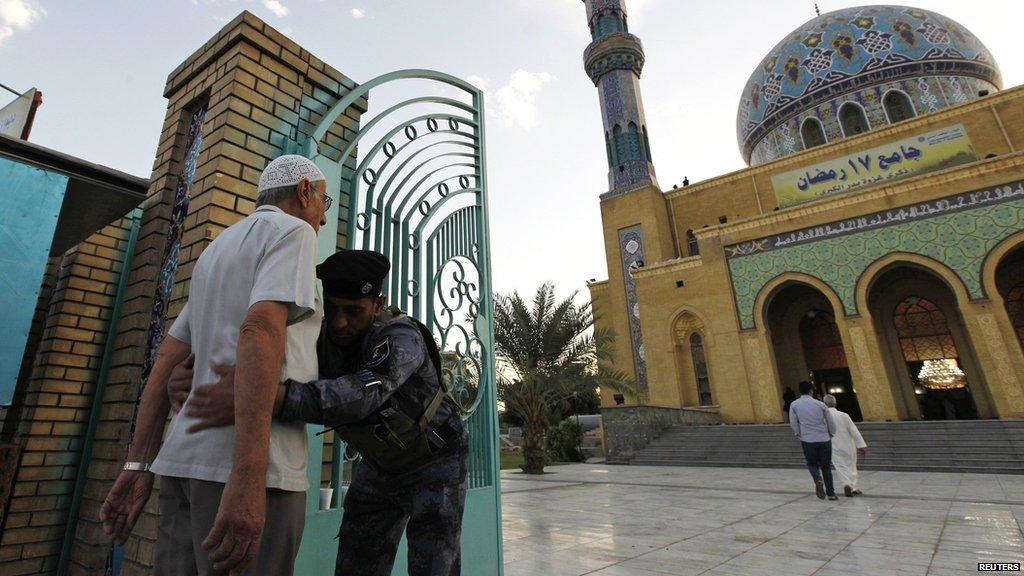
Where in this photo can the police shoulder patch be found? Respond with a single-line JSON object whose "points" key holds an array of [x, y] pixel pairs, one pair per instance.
{"points": [[368, 378], [379, 353]]}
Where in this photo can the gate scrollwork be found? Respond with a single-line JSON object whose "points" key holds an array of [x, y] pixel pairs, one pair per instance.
{"points": [[416, 191]]}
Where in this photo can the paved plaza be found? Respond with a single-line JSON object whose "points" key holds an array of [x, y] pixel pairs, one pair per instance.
{"points": [[651, 521]]}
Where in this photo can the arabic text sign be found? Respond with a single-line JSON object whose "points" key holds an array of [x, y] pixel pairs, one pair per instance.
{"points": [[936, 150]]}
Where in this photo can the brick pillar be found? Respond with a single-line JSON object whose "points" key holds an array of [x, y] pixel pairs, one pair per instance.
{"points": [[57, 397], [261, 90]]}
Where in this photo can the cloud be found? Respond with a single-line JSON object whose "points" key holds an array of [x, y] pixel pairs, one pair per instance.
{"points": [[18, 15], [358, 13], [517, 100], [275, 6]]}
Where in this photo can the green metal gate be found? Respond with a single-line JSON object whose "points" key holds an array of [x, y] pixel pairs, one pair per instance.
{"points": [[416, 191]]}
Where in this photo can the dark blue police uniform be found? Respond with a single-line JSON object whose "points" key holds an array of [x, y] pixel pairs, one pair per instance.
{"points": [[391, 368]]}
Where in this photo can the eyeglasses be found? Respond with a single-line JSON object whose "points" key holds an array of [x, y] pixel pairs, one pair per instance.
{"points": [[327, 202]]}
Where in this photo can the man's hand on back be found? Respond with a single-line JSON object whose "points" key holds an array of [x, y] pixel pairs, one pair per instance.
{"points": [[214, 404], [180, 384]]}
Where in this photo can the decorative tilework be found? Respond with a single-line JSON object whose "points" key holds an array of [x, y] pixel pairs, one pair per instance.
{"points": [[957, 94], [997, 348], [786, 139], [172, 249], [850, 51], [927, 94], [631, 248], [958, 231]]}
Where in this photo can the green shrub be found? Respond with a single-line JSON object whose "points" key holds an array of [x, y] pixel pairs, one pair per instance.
{"points": [[562, 443]]}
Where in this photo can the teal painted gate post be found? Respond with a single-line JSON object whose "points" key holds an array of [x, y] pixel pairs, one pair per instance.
{"points": [[419, 195]]}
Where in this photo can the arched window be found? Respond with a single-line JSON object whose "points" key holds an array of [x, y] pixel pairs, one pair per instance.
{"points": [[812, 133], [618, 146], [923, 331], [635, 143], [700, 369], [852, 119], [691, 243], [897, 106], [647, 145]]}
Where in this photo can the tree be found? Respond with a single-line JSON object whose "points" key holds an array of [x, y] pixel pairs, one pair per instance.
{"points": [[547, 351]]}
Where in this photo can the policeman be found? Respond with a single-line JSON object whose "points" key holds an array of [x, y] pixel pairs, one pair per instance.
{"points": [[381, 390]]}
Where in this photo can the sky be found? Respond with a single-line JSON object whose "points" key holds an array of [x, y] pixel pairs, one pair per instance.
{"points": [[102, 66]]}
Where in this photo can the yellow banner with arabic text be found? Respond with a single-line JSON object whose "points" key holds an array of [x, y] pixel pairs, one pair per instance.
{"points": [[929, 152]]}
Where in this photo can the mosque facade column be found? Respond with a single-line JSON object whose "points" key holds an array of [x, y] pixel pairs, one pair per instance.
{"points": [[633, 210]]}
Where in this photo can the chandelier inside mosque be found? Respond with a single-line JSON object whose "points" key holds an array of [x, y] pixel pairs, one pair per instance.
{"points": [[941, 374]]}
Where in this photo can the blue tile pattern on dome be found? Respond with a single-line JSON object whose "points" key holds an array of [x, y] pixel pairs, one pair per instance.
{"points": [[849, 49]]}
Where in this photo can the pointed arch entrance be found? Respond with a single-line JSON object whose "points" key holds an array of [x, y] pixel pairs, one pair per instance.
{"points": [[807, 344], [930, 360]]}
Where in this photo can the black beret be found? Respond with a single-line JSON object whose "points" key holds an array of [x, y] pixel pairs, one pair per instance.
{"points": [[353, 274]]}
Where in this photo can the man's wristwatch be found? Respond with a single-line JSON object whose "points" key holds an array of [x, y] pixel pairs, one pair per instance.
{"points": [[136, 466]]}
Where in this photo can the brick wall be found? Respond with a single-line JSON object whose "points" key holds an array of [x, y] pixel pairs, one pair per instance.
{"points": [[55, 400], [262, 89], [10, 416]]}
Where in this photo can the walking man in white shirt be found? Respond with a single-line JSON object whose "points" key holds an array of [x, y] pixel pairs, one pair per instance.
{"points": [[233, 498], [812, 423], [847, 444]]}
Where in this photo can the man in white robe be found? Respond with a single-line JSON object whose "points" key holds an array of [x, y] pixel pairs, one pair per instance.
{"points": [[847, 444]]}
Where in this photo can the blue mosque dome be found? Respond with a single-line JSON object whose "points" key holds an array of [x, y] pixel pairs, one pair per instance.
{"points": [[889, 62]]}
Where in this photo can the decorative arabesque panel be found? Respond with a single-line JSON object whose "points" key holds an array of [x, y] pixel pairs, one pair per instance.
{"points": [[958, 231]]}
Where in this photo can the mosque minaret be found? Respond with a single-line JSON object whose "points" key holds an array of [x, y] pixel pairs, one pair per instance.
{"points": [[614, 60]]}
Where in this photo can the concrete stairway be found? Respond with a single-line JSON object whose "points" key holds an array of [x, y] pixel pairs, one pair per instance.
{"points": [[990, 446]]}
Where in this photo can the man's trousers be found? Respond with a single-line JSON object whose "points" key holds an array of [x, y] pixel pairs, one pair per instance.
{"points": [[188, 508], [819, 462], [427, 503]]}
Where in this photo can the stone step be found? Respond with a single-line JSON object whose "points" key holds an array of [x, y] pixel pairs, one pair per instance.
{"points": [[886, 444], [876, 462], [868, 467], [957, 446]]}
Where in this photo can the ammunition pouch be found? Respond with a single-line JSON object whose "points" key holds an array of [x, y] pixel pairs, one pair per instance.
{"points": [[396, 442], [393, 440]]}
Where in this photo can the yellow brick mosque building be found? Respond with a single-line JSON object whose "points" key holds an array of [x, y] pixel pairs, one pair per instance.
{"points": [[874, 245]]}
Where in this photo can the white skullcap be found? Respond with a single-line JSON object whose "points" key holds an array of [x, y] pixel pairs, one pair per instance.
{"points": [[288, 170]]}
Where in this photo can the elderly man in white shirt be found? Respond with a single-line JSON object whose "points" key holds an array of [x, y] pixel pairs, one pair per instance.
{"points": [[233, 498], [847, 444]]}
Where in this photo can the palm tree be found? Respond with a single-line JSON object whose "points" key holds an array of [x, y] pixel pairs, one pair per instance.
{"points": [[548, 351]]}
